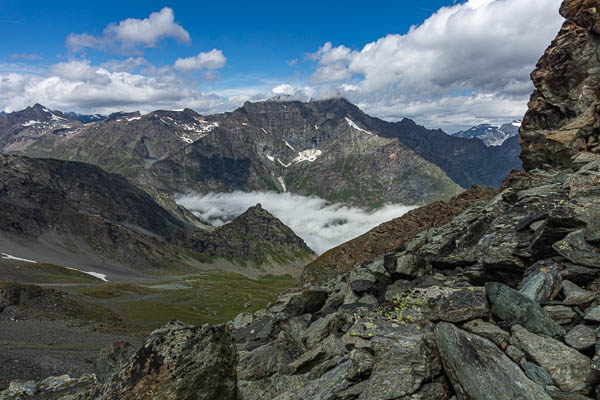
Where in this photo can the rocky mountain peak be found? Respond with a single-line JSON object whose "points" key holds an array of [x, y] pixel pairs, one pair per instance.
{"points": [[561, 126]]}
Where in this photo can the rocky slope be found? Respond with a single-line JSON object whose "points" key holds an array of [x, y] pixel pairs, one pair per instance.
{"points": [[499, 303], [491, 135], [113, 221], [390, 235]]}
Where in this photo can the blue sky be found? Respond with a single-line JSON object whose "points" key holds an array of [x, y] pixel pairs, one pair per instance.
{"points": [[441, 73]]}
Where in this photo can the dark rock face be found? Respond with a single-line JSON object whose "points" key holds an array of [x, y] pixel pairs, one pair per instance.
{"points": [[256, 236], [122, 223], [562, 121], [177, 362]]}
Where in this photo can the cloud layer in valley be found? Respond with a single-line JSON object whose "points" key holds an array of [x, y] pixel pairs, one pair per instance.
{"points": [[321, 225]]}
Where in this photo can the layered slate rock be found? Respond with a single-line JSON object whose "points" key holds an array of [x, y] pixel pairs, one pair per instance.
{"points": [[479, 370], [177, 362], [511, 306], [571, 370]]}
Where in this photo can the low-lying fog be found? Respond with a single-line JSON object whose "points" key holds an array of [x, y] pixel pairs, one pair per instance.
{"points": [[322, 225]]}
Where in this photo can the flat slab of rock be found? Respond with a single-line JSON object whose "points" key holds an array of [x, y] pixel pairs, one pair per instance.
{"points": [[516, 309], [479, 370], [582, 337], [570, 369]]}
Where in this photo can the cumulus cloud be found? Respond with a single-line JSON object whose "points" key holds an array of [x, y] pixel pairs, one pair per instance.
{"points": [[476, 50], [80, 86], [213, 59], [133, 32], [321, 225]]}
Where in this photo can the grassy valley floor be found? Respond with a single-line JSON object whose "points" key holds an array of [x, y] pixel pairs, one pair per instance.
{"points": [[56, 320]]}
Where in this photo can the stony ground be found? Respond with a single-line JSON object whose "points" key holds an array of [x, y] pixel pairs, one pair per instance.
{"points": [[40, 348]]}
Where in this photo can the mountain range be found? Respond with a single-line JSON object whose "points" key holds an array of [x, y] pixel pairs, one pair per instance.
{"points": [[491, 135], [329, 148]]}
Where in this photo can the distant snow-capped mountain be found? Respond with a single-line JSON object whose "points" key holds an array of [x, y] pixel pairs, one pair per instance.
{"points": [[491, 135], [84, 118]]}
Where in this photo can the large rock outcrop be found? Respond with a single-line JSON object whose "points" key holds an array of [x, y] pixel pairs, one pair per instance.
{"points": [[177, 362], [562, 125]]}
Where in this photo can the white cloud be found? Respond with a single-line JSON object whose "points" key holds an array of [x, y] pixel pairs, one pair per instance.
{"points": [[284, 89], [473, 51], [133, 32], [321, 225], [213, 59], [80, 86]]}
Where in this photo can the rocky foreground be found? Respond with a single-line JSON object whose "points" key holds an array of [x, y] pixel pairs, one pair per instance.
{"points": [[500, 303]]}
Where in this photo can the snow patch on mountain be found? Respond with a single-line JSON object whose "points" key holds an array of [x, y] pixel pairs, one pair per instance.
{"points": [[307, 155], [358, 128], [9, 257]]}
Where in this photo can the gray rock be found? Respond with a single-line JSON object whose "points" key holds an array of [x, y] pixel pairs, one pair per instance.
{"points": [[514, 308], [308, 301], [326, 350], [592, 314], [575, 248], [514, 353], [478, 370], [574, 295], [242, 320], [177, 362], [406, 264], [268, 359], [55, 383], [322, 328], [570, 369], [405, 358], [488, 331], [541, 284], [537, 374], [457, 304], [111, 359], [362, 365], [558, 395], [561, 314], [22, 388], [582, 337]]}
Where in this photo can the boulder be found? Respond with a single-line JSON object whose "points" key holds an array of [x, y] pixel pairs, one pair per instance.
{"points": [[561, 314], [541, 284], [405, 358], [479, 370], [111, 359], [574, 295], [582, 337], [570, 369], [576, 249], [514, 308], [487, 330], [177, 362]]}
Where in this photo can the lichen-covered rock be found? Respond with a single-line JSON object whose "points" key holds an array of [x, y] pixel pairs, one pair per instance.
{"points": [[479, 370], [570, 369], [514, 308], [177, 362], [111, 359]]}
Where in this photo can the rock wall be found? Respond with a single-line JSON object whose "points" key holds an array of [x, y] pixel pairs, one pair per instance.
{"points": [[561, 127]]}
